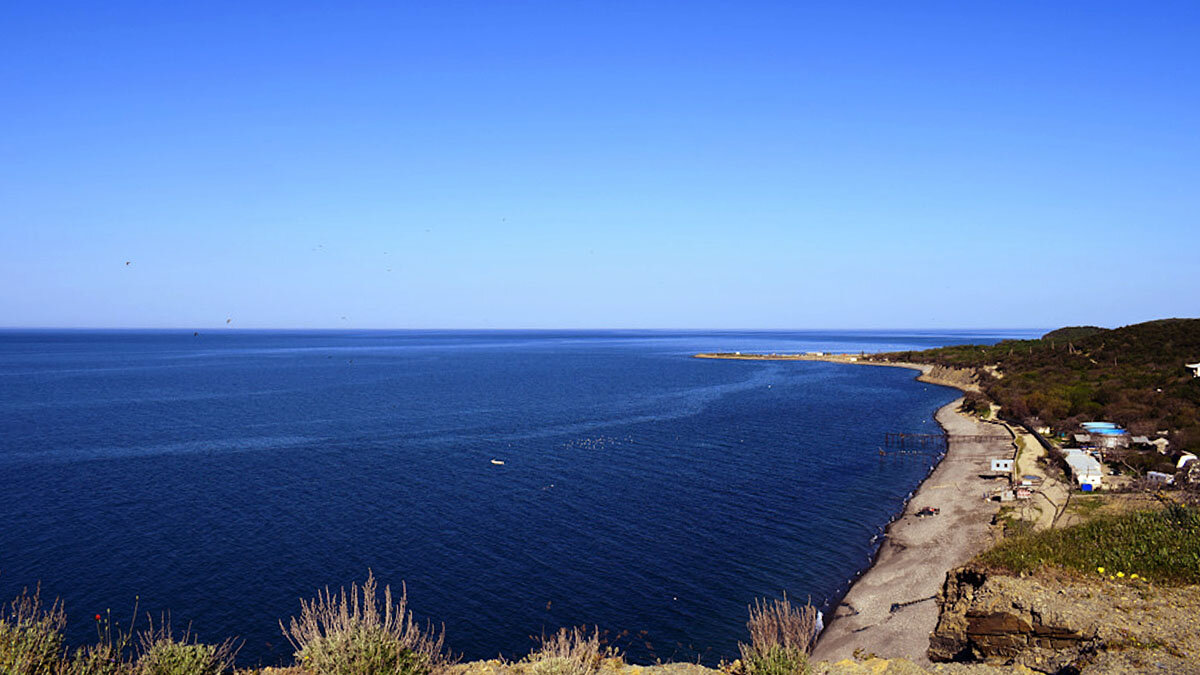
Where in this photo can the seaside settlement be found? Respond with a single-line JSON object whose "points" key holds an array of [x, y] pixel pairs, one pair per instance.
{"points": [[1029, 545]]}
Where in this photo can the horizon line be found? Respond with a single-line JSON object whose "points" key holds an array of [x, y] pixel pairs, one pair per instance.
{"points": [[513, 328]]}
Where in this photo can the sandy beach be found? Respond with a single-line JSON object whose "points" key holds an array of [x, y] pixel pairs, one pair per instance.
{"points": [[890, 610]]}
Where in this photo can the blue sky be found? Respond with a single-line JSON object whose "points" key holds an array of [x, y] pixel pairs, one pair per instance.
{"points": [[608, 164]]}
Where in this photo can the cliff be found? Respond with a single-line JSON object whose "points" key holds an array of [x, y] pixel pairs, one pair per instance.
{"points": [[1066, 623]]}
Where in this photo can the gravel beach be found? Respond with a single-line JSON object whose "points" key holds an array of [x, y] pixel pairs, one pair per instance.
{"points": [[890, 610]]}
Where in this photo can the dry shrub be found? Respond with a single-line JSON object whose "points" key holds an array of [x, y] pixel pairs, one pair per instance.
{"points": [[349, 633], [781, 636], [161, 653], [31, 641], [570, 651]]}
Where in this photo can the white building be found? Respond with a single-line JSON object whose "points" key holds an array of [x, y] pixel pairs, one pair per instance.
{"points": [[1002, 466], [1195, 368], [1086, 469]]}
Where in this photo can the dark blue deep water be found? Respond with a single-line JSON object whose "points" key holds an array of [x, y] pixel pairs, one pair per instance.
{"points": [[225, 475]]}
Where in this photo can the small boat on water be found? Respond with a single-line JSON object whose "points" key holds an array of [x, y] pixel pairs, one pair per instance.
{"points": [[498, 462]]}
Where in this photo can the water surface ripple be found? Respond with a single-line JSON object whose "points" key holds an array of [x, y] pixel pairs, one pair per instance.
{"points": [[223, 476]]}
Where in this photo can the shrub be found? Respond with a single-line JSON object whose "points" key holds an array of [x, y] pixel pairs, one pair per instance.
{"points": [[781, 636], [31, 641], [99, 659], [570, 651], [163, 654], [348, 633], [976, 403]]}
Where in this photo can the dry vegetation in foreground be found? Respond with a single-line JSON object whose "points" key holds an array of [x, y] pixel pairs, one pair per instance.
{"points": [[781, 637], [352, 632], [348, 633]]}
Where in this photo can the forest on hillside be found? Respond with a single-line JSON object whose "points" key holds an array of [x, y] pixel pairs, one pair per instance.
{"points": [[1134, 376]]}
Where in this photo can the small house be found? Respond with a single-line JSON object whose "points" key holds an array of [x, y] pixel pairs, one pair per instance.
{"points": [[1160, 478], [1162, 444], [1085, 469], [1195, 368], [1004, 466]]}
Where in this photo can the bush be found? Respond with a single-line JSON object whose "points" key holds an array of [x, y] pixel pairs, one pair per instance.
{"points": [[569, 652], [976, 403], [781, 636], [31, 641], [162, 654], [348, 633]]}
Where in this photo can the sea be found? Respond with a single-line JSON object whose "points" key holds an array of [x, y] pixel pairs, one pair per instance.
{"points": [[513, 482]]}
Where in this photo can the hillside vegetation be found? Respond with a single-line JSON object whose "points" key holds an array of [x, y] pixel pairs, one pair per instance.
{"points": [[1156, 545], [1133, 375]]}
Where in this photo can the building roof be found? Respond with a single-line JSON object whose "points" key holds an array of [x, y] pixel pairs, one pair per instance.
{"points": [[1082, 438], [1083, 464], [1141, 439]]}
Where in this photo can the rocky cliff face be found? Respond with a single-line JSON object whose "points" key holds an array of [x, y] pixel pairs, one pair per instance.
{"points": [[960, 378], [1067, 624]]}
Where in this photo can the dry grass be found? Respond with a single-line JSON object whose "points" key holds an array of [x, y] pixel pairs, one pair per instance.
{"points": [[31, 641], [570, 651], [161, 653], [781, 636], [350, 633]]}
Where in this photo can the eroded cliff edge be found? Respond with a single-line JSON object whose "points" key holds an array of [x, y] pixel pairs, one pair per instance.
{"points": [[1067, 623]]}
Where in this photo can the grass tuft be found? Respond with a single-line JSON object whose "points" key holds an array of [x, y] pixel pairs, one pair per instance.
{"points": [[1160, 545], [351, 633], [781, 636], [570, 651]]}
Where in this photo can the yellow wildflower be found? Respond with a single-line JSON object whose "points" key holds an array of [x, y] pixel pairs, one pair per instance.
{"points": [[1100, 570], [1120, 575], [1133, 576]]}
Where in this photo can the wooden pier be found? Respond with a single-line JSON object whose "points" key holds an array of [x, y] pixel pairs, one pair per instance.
{"points": [[935, 443]]}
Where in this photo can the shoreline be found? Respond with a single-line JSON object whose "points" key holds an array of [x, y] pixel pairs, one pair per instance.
{"points": [[889, 608], [958, 378]]}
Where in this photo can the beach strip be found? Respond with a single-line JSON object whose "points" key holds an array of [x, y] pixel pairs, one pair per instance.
{"points": [[890, 610]]}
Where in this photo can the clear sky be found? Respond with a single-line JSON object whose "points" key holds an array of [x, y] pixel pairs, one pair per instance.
{"points": [[609, 164]]}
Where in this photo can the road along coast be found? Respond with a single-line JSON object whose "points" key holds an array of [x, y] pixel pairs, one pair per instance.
{"points": [[890, 610]]}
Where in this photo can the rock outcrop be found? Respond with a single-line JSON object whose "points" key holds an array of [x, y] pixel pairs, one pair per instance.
{"points": [[1066, 624]]}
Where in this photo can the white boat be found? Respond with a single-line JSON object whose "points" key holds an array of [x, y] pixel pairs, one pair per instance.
{"points": [[498, 462]]}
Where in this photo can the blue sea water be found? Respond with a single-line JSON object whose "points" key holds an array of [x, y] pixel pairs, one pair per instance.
{"points": [[223, 476]]}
